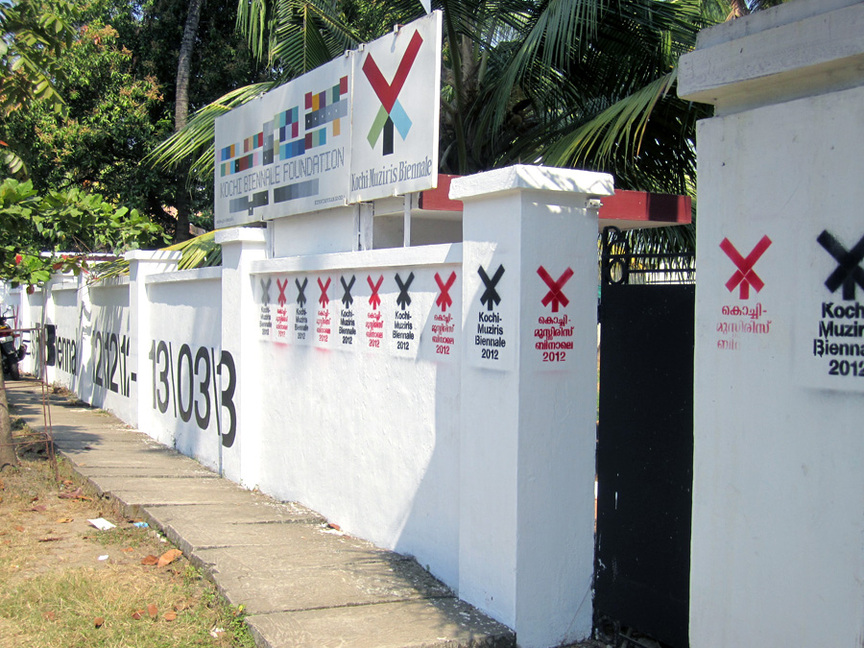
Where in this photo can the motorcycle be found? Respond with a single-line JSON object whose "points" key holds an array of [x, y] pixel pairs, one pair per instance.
{"points": [[11, 356]]}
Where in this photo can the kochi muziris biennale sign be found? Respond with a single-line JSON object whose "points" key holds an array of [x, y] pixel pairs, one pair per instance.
{"points": [[360, 127]]}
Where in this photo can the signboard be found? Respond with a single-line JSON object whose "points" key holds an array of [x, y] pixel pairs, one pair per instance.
{"points": [[360, 127], [394, 127]]}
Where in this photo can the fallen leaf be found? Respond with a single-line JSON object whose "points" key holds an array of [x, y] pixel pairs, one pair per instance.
{"points": [[137, 614], [38, 508], [68, 482], [49, 615], [169, 616], [99, 622], [149, 560], [153, 611], [2, 485], [18, 528], [76, 494], [49, 539], [64, 520], [128, 550], [335, 527], [168, 557], [35, 498]]}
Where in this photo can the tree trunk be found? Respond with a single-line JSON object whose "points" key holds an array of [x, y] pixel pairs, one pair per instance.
{"points": [[739, 9], [181, 112], [184, 64], [7, 450]]}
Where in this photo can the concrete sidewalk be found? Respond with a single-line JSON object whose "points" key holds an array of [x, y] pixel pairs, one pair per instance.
{"points": [[301, 582]]}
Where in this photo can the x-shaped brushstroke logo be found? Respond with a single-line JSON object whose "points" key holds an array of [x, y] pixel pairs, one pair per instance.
{"points": [[282, 287], [265, 291], [555, 295], [324, 299], [374, 299], [744, 275], [444, 300], [301, 289], [490, 296], [404, 299], [849, 271], [391, 113], [347, 299]]}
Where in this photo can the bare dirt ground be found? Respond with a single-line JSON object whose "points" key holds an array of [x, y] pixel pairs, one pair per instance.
{"points": [[66, 584]]}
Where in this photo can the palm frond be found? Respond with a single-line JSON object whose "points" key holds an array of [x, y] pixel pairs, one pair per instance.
{"points": [[199, 252], [618, 130], [196, 140]]}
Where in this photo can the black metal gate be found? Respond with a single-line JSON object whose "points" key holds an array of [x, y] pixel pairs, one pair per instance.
{"points": [[644, 451]]}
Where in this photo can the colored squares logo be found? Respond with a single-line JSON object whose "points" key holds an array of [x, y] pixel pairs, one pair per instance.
{"points": [[290, 134]]}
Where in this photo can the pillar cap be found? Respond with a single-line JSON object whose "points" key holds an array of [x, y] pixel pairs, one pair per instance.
{"points": [[536, 178], [241, 235], [794, 50]]}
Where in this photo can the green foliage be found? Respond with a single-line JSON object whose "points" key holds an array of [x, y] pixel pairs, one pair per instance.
{"points": [[112, 119], [55, 231], [34, 33]]}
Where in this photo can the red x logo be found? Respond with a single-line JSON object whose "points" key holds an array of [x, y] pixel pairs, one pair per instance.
{"points": [[282, 287], [444, 300], [555, 295], [389, 92], [744, 275], [323, 299], [374, 299]]}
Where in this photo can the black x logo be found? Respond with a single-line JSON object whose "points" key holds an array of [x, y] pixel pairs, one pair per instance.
{"points": [[301, 297], [849, 272], [490, 297], [404, 299], [265, 290], [347, 299]]}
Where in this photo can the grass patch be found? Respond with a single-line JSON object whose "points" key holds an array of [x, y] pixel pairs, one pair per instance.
{"points": [[64, 584]]}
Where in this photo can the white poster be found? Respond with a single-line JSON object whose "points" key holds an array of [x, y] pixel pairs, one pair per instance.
{"points": [[394, 138]]}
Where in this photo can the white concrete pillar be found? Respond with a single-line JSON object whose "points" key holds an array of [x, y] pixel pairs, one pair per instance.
{"points": [[240, 359], [777, 557], [529, 390], [142, 263]]}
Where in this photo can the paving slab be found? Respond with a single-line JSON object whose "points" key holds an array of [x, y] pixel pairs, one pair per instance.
{"points": [[144, 491], [444, 623], [258, 510], [165, 469], [384, 579], [291, 547], [304, 583], [204, 528]]}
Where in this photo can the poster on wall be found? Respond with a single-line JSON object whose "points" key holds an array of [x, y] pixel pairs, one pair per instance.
{"points": [[359, 127], [552, 335], [830, 313], [492, 314]]}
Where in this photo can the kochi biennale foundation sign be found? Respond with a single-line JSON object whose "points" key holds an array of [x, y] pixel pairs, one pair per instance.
{"points": [[360, 127]]}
